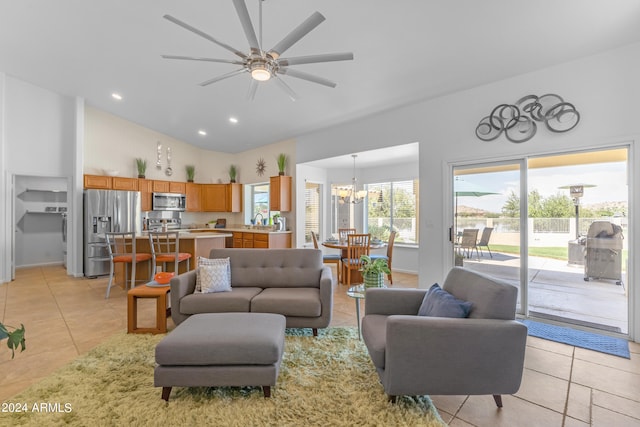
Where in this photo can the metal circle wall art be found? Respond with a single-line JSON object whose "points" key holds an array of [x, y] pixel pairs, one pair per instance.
{"points": [[518, 121]]}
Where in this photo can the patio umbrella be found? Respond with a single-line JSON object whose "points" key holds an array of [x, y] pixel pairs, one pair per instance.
{"points": [[464, 188]]}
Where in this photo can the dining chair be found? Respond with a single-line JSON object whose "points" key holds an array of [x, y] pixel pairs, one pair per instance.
{"points": [[328, 258], [122, 249], [357, 245], [484, 240], [389, 255], [343, 232], [468, 242], [165, 248]]}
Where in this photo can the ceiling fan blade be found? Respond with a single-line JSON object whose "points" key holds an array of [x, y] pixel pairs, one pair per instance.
{"points": [[327, 57], [197, 58], [299, 32], [285, 87], [252, 90], [247, 26], [224, 76], [306, 76], [204, 35]]}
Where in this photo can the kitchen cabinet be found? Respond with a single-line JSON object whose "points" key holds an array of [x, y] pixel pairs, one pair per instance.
{"points": [[145, 186], [261, 240], [160, 186], [126, 184], [214, 197], [99, 182], [280, 193], [193, 197], [177, 187], [234, 197]]}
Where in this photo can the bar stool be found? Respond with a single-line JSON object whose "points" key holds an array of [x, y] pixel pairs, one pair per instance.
{"points": [[165, 247], [122, 249]]}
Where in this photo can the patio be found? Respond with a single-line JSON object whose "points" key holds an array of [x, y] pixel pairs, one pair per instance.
{"points": [[558, 291]]}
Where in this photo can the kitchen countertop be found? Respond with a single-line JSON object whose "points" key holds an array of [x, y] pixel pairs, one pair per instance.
{"points": [[231, 229], [187, 234]]}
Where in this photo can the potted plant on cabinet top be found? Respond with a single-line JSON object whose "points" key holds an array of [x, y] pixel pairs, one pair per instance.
{"points": [[191, 172], [282, 163], [141, 164], [233, 172], [373, 271], [14, 338]]}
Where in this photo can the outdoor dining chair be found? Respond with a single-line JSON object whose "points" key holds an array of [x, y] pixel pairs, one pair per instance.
{"points": [[484, 240], [468, 242]]}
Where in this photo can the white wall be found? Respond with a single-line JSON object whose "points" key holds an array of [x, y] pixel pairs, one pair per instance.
{"points": [[604, 88], [37, 135]]}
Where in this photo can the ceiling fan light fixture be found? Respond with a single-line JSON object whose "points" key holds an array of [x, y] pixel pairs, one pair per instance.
{"points": [[260, 74]]}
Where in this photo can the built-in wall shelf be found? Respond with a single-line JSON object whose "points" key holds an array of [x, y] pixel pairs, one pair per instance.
{"points": [[29, 190]]}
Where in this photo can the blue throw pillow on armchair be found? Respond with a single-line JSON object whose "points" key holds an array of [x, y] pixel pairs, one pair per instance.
{"points": [[440, 303]]}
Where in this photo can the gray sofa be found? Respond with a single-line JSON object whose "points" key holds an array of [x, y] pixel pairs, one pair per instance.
{"points": [[417, 355], [291, 282]]}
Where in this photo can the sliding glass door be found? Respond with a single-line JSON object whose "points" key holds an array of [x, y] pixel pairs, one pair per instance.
{"points": [[556, 226]]}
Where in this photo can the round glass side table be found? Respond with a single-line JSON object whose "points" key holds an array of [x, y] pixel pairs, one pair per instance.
{"points": [[357, 292]]}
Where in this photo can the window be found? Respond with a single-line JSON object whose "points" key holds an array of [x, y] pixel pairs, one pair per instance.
{"points": [[257, 199], [393, 206], [312, 211]]}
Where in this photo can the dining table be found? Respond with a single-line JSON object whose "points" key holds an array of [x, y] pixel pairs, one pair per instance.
{"points": [[342, 246]]}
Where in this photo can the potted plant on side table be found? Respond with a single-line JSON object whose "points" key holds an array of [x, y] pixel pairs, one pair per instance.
{"points": [[373, 271]]}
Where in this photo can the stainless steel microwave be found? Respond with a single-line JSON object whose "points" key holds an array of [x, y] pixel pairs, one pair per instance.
{"points": [[169, 202]]}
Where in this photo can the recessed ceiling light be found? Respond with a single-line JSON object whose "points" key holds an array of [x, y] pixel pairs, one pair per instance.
{"points": [[233, 120], [116, 96], [202, 132]]}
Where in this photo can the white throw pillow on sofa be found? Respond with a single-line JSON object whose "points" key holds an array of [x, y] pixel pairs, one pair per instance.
{"points": [[213, 275]]}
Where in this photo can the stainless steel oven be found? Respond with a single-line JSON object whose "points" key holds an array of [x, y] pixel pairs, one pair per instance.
{"points": [[169, 202]]}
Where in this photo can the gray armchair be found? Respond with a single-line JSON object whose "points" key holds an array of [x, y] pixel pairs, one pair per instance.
{"points": [[416, 355]]}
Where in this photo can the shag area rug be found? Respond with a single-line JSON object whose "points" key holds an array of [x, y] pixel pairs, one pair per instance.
{"points": [[323, 381]]}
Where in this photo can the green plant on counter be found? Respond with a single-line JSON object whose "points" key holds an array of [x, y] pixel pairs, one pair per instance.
{"points": [[233, 172], [282, 163], [141, 164], [14, 338], [191, 172]]}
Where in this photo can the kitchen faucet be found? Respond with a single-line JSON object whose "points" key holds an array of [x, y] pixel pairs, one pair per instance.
{"points": [[255, 219]]}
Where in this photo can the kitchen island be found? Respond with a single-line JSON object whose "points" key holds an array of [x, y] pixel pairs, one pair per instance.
{"points": [[250, 236], [197, 244]]}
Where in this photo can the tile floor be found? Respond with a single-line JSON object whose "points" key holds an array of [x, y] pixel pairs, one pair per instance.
{"points": [[562, 385]]}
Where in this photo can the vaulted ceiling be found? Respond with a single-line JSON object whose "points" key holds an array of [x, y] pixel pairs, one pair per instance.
{"points": [[405, 51]]}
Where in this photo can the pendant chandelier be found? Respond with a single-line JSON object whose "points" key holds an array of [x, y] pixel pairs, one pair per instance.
{"points": [[352, 195]]}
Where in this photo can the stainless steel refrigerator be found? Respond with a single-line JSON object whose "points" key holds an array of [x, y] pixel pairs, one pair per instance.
{"points": [[107, 211]]}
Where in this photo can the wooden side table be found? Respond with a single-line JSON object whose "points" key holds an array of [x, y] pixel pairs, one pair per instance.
{"points": [[144, 291]]}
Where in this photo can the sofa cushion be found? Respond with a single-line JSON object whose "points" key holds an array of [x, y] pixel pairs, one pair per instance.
{"points": [[215, 277], [299, 302], [440, 303], [277, 268], [238, 300]]}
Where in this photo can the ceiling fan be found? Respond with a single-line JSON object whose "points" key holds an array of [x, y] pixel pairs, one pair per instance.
{"points": [[263, 64]]}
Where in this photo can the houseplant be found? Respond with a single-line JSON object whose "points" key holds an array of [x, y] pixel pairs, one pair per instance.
{"points": [[191, 172], [14, 338], [233, 172], [282, 163], [373, 271], [141, 164]]}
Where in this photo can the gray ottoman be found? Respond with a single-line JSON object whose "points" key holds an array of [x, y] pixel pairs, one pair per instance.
{"points": [[221, 349]]}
